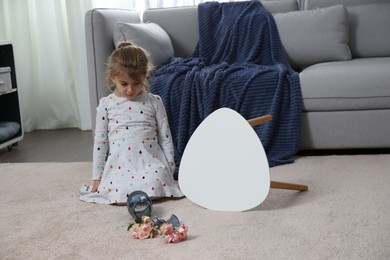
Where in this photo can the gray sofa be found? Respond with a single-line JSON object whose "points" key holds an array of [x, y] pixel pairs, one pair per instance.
{"points": [[341, 49]]}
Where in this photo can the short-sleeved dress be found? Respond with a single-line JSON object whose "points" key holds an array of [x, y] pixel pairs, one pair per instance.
{"points": [[133, 150]]}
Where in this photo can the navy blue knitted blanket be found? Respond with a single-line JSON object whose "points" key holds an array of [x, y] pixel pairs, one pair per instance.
{"points": [[238, 63]]}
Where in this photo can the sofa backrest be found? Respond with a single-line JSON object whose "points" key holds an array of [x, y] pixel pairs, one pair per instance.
{"points": [[99, 24], [181, 23], [183, 31], [369, 21]]}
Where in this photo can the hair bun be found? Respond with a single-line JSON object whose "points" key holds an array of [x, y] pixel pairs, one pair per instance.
{"points": [[124, 44]]}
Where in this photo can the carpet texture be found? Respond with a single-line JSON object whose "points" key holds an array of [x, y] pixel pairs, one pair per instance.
{"points": [[344, 215]]}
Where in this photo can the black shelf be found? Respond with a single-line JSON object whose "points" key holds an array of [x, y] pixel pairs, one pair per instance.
{"points": [[9, 101]]}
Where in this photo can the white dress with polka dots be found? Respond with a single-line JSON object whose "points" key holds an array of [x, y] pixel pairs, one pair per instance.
{"points": [[133, 150]]}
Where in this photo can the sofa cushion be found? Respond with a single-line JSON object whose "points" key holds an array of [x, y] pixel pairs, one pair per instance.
{"points": [[369, 30], [149, 36], [368, 25], [8, 130], [358, 84], [181, 23], [311, 4], [314, 36]]}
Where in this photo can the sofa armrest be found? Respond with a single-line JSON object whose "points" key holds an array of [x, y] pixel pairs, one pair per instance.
{"points": [[99, 24]]}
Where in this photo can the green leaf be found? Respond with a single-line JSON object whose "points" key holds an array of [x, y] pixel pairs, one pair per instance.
{"points": [[138, 220]]}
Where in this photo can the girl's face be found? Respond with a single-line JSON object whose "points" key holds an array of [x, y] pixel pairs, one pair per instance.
{"points": [[127, 87]]}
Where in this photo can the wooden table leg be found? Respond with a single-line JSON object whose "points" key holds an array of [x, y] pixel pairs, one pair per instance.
{"points": [[288, 186], [276, 184], [259, 120]]}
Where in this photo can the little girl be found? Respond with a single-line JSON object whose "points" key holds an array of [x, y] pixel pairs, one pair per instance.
{"points": [[133, 147]]}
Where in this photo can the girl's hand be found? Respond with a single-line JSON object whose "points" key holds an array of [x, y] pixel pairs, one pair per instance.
{"points": [[95, 185]]}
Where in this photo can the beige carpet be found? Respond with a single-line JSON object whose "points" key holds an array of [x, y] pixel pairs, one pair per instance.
{"points": [[344, 215]]}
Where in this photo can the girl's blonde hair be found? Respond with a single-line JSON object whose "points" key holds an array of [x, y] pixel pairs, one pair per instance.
{"points": [[131, 60]]}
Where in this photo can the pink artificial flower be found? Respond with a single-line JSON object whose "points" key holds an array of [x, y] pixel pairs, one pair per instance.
{"points": [[143, 234], [148, 220], [166, 228], [176, 238], [134, 235], [182, 232], [183, 228], [134, 230], [144, 231], [168, 238], [183, 235], [146, 228]]}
